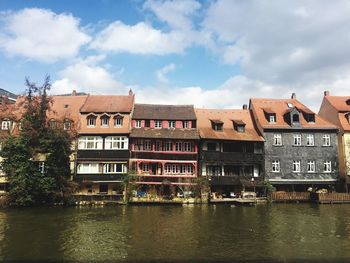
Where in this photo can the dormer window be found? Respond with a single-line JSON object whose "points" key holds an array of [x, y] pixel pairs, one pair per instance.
{"points": [[172, 124], [295, 118], [105, 120], [217, 125], [67, 125], [138, 124], [186, 124], [118, 121], [6, 125], [272, 118], [91, 121], [270, 115], [310, 117], [239, 125], [158, 124], [348, 102]]}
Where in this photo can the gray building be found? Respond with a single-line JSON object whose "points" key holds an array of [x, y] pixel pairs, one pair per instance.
{"points": [[301, 149]]}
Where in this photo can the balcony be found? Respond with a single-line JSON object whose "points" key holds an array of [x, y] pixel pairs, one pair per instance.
{"points": [[236, 180], [232, 157], [99, 177], [103, 154], [164, 156]]}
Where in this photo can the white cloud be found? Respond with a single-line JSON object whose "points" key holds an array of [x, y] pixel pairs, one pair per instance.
{"points": [[139, 39], [176, 13], [161, 73], [41, 35], [87, 76]]}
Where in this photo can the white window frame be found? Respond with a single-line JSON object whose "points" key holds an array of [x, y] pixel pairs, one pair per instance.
{"points": [[116, 143], [188, 147], [138, 123], [167, 168], [5, 125], [272, 118], [310, 140], [145, 167], [276, 166], [91, 122], [186, 124], [111, 168], [166, 146], [104, 122], [326, 140], [147, 145], [90, 143], [296, 167], [158, 124], [297, 140], [327, 167], [118, 122], [158, 146], [277, 139], [88, 168], [178, 147], [67, 125], [311, 166], [172, 124]]}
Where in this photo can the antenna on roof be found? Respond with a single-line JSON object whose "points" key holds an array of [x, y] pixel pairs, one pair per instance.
{"points": [[294, 96], [326, 93], [131, 93]]}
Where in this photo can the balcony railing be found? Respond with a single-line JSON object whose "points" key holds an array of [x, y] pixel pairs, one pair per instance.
{"points": [[103, 154], [232, 157], [164, 156], [99, 177]]}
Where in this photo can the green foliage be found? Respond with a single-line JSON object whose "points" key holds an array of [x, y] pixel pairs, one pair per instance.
{"points": [[36, 143], [269, 188]]}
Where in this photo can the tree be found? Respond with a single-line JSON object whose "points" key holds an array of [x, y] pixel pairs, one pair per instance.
{"points": [[36, 160]]}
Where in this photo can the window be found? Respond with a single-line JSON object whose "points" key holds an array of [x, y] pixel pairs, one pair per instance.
{"points": [[277, 139], [6, 125], [297, 140], [186, 124], [276, 168], [138, 124], [88, 168], [91, 122], [116, 143], [145, 167], [240, 128], [103, 188], [188, 147], [211, 146], [272, 118], [175, 169], [310, 140], [214, 170], [158, 146], [147, 145], [52, 124], [326, 140], [217, 127], [90, 143], [158, 124], [118, 122], [168, 146], [42, 167], [147, 123], [114, 168], [167, 169], [311, 167], [172, 124], [296, 166], [295, 118], [310, 117], [67, 125], [104, 122], [327, 167], [178, 146]]}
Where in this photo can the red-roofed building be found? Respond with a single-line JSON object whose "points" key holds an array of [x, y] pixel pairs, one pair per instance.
{"points": [[301, 148], [336, 110]]}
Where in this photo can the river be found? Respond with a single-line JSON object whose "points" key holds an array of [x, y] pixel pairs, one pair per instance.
{"points": [[196, 233]]}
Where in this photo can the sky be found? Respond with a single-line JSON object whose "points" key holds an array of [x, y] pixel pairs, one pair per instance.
{"points": [[213, 54]]}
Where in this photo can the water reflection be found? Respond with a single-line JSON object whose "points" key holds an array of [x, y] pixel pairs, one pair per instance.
{"points": [[201, 233]]}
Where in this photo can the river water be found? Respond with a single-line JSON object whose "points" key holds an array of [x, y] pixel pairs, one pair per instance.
{"points": [[207, 233]]}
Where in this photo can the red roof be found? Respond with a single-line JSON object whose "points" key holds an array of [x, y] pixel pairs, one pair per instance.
{"points": [[108, 103]]}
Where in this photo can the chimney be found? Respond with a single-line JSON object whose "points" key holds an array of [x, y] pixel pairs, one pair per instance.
{"points": [[244, 106], [130, 92], [74, 93], [326, 93], [294, 96]]}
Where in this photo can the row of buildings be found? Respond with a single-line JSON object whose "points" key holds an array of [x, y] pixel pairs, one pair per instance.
{"points": [[172, 148]]}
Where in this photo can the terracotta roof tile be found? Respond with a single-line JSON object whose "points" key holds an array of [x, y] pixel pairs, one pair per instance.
{"points": [[282, 106], [191, 134], [204, 117], [163, 112], [108, 103], [339, 102]]}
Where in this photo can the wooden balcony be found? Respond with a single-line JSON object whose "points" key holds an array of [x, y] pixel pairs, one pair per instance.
{"points": [[164, 156], [232, 157], [99, 177], [103, 154]]}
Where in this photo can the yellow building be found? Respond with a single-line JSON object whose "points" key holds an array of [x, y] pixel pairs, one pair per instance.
{"points": [[336, 109]]}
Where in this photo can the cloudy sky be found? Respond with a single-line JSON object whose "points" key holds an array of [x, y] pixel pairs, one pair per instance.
{"points": [[208, 53]]}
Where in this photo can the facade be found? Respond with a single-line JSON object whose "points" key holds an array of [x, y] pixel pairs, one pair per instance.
{"points": [[301, 148], [164, 148], [102, 145], [336, 109], [231, 150]]}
